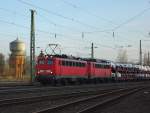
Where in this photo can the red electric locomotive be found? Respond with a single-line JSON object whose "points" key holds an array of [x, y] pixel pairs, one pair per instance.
{"points": [[64, 69]]}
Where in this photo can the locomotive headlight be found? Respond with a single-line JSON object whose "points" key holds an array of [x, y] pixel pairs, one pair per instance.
{"points": [[51, 72]]}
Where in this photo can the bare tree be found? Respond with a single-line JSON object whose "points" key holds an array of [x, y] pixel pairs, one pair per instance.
{"points": [[122, 56], [2, 63], [146, 59]]}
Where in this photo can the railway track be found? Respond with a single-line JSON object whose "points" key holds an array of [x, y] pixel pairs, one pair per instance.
{"points": [[31, 88], [28, 91], [34, 99], [42, 91], [89, 104], [33, 103]]}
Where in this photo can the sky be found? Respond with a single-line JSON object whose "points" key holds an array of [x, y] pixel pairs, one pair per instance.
{"points": [[112, 25]]}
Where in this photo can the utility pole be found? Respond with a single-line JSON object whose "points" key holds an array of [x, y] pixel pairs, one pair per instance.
{"points": [[92, 51], [140, 53], [32, 47]]}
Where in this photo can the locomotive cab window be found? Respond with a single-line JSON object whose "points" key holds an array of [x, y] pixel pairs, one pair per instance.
{"points": [[49, 62]]}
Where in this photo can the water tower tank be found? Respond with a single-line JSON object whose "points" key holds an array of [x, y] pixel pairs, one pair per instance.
{"points": [[17, 58], [17, 47]]}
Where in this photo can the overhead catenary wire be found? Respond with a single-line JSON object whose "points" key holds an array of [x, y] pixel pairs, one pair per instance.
{"points": [[13, 12], [83, 40], [88, 12], [26, 27], [57, 14], [39, 30], [73, 29], [53, 23], [13, 23], [23, 26], [41, 16], [115, 28], [87, 32], [131, 19], [42, 30], [49, 21], [109, 21], [56, 24], [18, 25], [124, 23], [83, 33]]}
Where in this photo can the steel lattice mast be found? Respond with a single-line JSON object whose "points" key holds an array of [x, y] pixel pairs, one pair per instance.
{"points": [[32, 47]]}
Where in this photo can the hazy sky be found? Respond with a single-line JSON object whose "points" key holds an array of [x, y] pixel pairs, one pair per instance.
{"points": [[97, 19]]}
